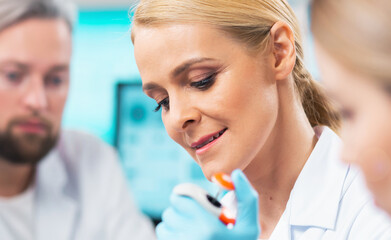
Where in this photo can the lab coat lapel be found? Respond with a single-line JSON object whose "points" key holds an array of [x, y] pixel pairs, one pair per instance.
{"points": [[56, 207], [316, 195], [282, 231]]}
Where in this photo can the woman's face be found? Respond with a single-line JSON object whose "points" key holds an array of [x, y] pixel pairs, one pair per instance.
{"points": [[366, 109], [218, 101]]}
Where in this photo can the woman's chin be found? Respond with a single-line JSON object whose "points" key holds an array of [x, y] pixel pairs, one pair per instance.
{"points": [[381, 196], [209, 170], [208, 174]]}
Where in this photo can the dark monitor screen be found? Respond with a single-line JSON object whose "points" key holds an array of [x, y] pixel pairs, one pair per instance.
{"points": [[153, 162]]}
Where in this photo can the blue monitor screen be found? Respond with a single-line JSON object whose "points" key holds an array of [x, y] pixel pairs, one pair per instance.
{"points": [[153, 162]]}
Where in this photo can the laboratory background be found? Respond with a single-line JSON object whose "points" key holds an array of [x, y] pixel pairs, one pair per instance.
{"points": [[106, 100]]}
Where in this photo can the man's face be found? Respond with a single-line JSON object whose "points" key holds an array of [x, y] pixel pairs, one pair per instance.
{"points": [[34, 81]]}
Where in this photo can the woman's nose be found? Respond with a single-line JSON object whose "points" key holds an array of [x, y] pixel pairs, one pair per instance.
{"points": [[183, 115]]}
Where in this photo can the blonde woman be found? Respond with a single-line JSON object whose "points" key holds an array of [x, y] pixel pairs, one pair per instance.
{"points": [[234, 93], [354, 50]]}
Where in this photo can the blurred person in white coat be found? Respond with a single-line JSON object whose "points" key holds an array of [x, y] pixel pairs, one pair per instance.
{"points": [[353, 47], [54, 184]]}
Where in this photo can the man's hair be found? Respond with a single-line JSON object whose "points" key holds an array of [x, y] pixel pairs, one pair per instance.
{"points": [[15, 11]]}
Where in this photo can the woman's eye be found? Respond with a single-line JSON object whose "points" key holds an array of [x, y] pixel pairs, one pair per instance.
{"points": [[387, 88], [165, 103], [347, 114], [205, 83]]}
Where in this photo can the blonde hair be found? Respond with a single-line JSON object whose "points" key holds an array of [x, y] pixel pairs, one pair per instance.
{"points": [[357, 33], [248, 22]]}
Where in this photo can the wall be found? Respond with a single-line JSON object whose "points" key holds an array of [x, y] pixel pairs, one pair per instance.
{"points": [[102, 55]]}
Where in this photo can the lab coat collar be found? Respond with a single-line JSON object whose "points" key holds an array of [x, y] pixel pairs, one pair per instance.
{"points": [[318, 190], [55, 197]]}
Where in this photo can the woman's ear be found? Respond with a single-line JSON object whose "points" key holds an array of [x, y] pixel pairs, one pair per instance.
{"points": [[283, 49]]}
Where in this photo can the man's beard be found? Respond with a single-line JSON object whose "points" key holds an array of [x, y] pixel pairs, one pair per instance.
{"points": [[26, 148]]}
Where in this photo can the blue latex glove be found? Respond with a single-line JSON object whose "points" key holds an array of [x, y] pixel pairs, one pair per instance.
{"points": [[185, 219]]}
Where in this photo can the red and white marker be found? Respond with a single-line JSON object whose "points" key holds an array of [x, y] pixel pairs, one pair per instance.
{"points": [[209, 202]]}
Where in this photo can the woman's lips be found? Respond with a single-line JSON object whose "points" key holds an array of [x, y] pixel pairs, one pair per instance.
{"points": [[207, 141]]}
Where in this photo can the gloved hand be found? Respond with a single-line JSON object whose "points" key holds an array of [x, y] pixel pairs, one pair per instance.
{"points": [[185, 219]]}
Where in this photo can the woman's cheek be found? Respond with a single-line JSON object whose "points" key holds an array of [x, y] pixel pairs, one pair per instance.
{"points": [[375, 165]]}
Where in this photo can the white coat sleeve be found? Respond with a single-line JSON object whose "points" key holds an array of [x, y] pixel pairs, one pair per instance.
{"points": [[123, 219]]}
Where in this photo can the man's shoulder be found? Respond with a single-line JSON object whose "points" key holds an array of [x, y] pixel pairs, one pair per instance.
{"points": [[81, 140], [72, 136], [86, 159], [78, 147]]}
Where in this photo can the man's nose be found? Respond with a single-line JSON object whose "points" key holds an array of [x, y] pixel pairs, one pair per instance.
{"points": [[35, 97]]}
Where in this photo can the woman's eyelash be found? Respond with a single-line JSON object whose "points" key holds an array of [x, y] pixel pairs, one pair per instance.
{"points": [[205, 83], [157, 108], [164, 103]]}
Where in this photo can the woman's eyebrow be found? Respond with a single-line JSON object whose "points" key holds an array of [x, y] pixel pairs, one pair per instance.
{"points": [[150, 86], [186, 65], [177, 71]]}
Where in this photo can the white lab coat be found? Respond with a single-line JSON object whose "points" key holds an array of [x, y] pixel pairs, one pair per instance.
{"points": [[81, 194], [329, 200]]}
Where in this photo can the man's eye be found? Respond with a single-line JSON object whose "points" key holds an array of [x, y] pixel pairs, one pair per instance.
{"points": [[54, 81], [205, 83], [165, 103], [14, 77]]}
